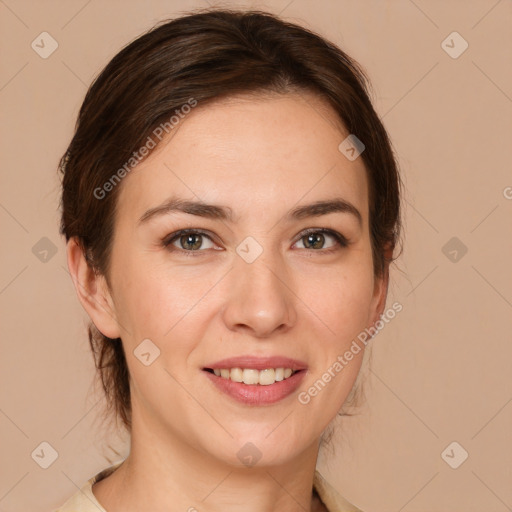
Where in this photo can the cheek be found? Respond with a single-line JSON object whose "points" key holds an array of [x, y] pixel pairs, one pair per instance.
{"points": [[341, 310], [156, 302], [342, 301]]}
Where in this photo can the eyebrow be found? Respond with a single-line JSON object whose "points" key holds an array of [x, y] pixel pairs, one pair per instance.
{"points": [[211, 211], [320, 208], [197, 208]]}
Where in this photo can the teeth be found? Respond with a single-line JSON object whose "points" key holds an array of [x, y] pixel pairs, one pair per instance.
{"points": [[253, 377], [267, 377], [236, 374]]}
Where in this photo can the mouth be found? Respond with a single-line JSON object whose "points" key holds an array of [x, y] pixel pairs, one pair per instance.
{"points": [[256, 381]]}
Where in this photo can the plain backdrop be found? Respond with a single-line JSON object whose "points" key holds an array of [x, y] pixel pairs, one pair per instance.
{"points": [[440, 386]]}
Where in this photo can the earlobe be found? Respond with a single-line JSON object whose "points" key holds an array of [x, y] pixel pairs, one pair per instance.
{"points": [[92, 291]]}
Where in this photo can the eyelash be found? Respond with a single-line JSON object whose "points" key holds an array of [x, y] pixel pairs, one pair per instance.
{"points": [[167, 242]]}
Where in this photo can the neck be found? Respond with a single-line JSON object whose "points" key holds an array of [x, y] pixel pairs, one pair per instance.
{"points": [[163, 472]]}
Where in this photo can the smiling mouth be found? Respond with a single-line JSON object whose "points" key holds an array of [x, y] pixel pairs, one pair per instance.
{"points": [[252, 376]]}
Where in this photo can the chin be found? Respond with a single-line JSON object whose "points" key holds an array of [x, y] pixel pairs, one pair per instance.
{"points": [[263, 447]]}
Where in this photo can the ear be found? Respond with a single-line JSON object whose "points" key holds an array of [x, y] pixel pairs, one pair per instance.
{"points": [[92, 291], [380, 290]]}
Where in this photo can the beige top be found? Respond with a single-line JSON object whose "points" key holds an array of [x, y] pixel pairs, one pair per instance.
{"points": [[85, 501]]}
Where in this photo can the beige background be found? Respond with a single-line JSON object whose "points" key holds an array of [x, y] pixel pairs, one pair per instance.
{"points": [[441, 369]]}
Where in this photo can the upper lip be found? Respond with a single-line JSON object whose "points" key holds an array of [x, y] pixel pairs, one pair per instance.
{"points": [[258, 363]]}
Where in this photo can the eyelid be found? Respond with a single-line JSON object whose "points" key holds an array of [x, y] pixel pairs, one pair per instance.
{"points": [[169, 239], [340, 239]]}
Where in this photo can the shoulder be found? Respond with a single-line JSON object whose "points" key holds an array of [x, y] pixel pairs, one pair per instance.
{"points": [[330, 497], [84, 500]]}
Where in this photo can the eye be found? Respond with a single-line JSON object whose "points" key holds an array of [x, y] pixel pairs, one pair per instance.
{"points": [[315, 239], [188, 240]]}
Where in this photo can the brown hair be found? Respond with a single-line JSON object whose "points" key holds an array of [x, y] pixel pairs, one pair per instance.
{"points": [[207, 55]]}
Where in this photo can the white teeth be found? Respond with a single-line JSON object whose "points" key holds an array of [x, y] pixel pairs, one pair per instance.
{"points": [[253, 377], [236, 374], [267, 377]]}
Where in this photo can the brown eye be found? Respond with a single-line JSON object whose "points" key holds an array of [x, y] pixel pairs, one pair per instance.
{"points": [[316, 240], [188, 240], [192, 242]]}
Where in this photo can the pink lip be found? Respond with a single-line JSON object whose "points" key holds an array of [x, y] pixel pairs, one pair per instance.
{"points": [[256, 394], [258, 363]]}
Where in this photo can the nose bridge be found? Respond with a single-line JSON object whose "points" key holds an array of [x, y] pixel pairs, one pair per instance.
{"points": [[260, 298]]}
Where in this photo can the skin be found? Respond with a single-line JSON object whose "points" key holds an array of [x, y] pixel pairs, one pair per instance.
{"points": [[261, 156]]}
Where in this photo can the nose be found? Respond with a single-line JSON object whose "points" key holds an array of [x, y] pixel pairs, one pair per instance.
{"points": [[260, 301]]}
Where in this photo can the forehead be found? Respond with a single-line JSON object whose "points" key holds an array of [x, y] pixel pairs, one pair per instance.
{"points": [[265, 152]]}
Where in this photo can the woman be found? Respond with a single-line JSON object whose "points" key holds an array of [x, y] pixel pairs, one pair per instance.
{"points": [[231, 207]]}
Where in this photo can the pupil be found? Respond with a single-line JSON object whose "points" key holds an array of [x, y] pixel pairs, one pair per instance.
{"points": [[314, 239], [186, 239]]}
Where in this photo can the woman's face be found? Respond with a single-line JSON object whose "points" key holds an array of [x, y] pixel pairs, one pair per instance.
{"points": [[250, 285]]}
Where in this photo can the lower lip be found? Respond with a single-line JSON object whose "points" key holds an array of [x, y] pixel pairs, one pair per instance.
{"points": [[256, 394]]}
